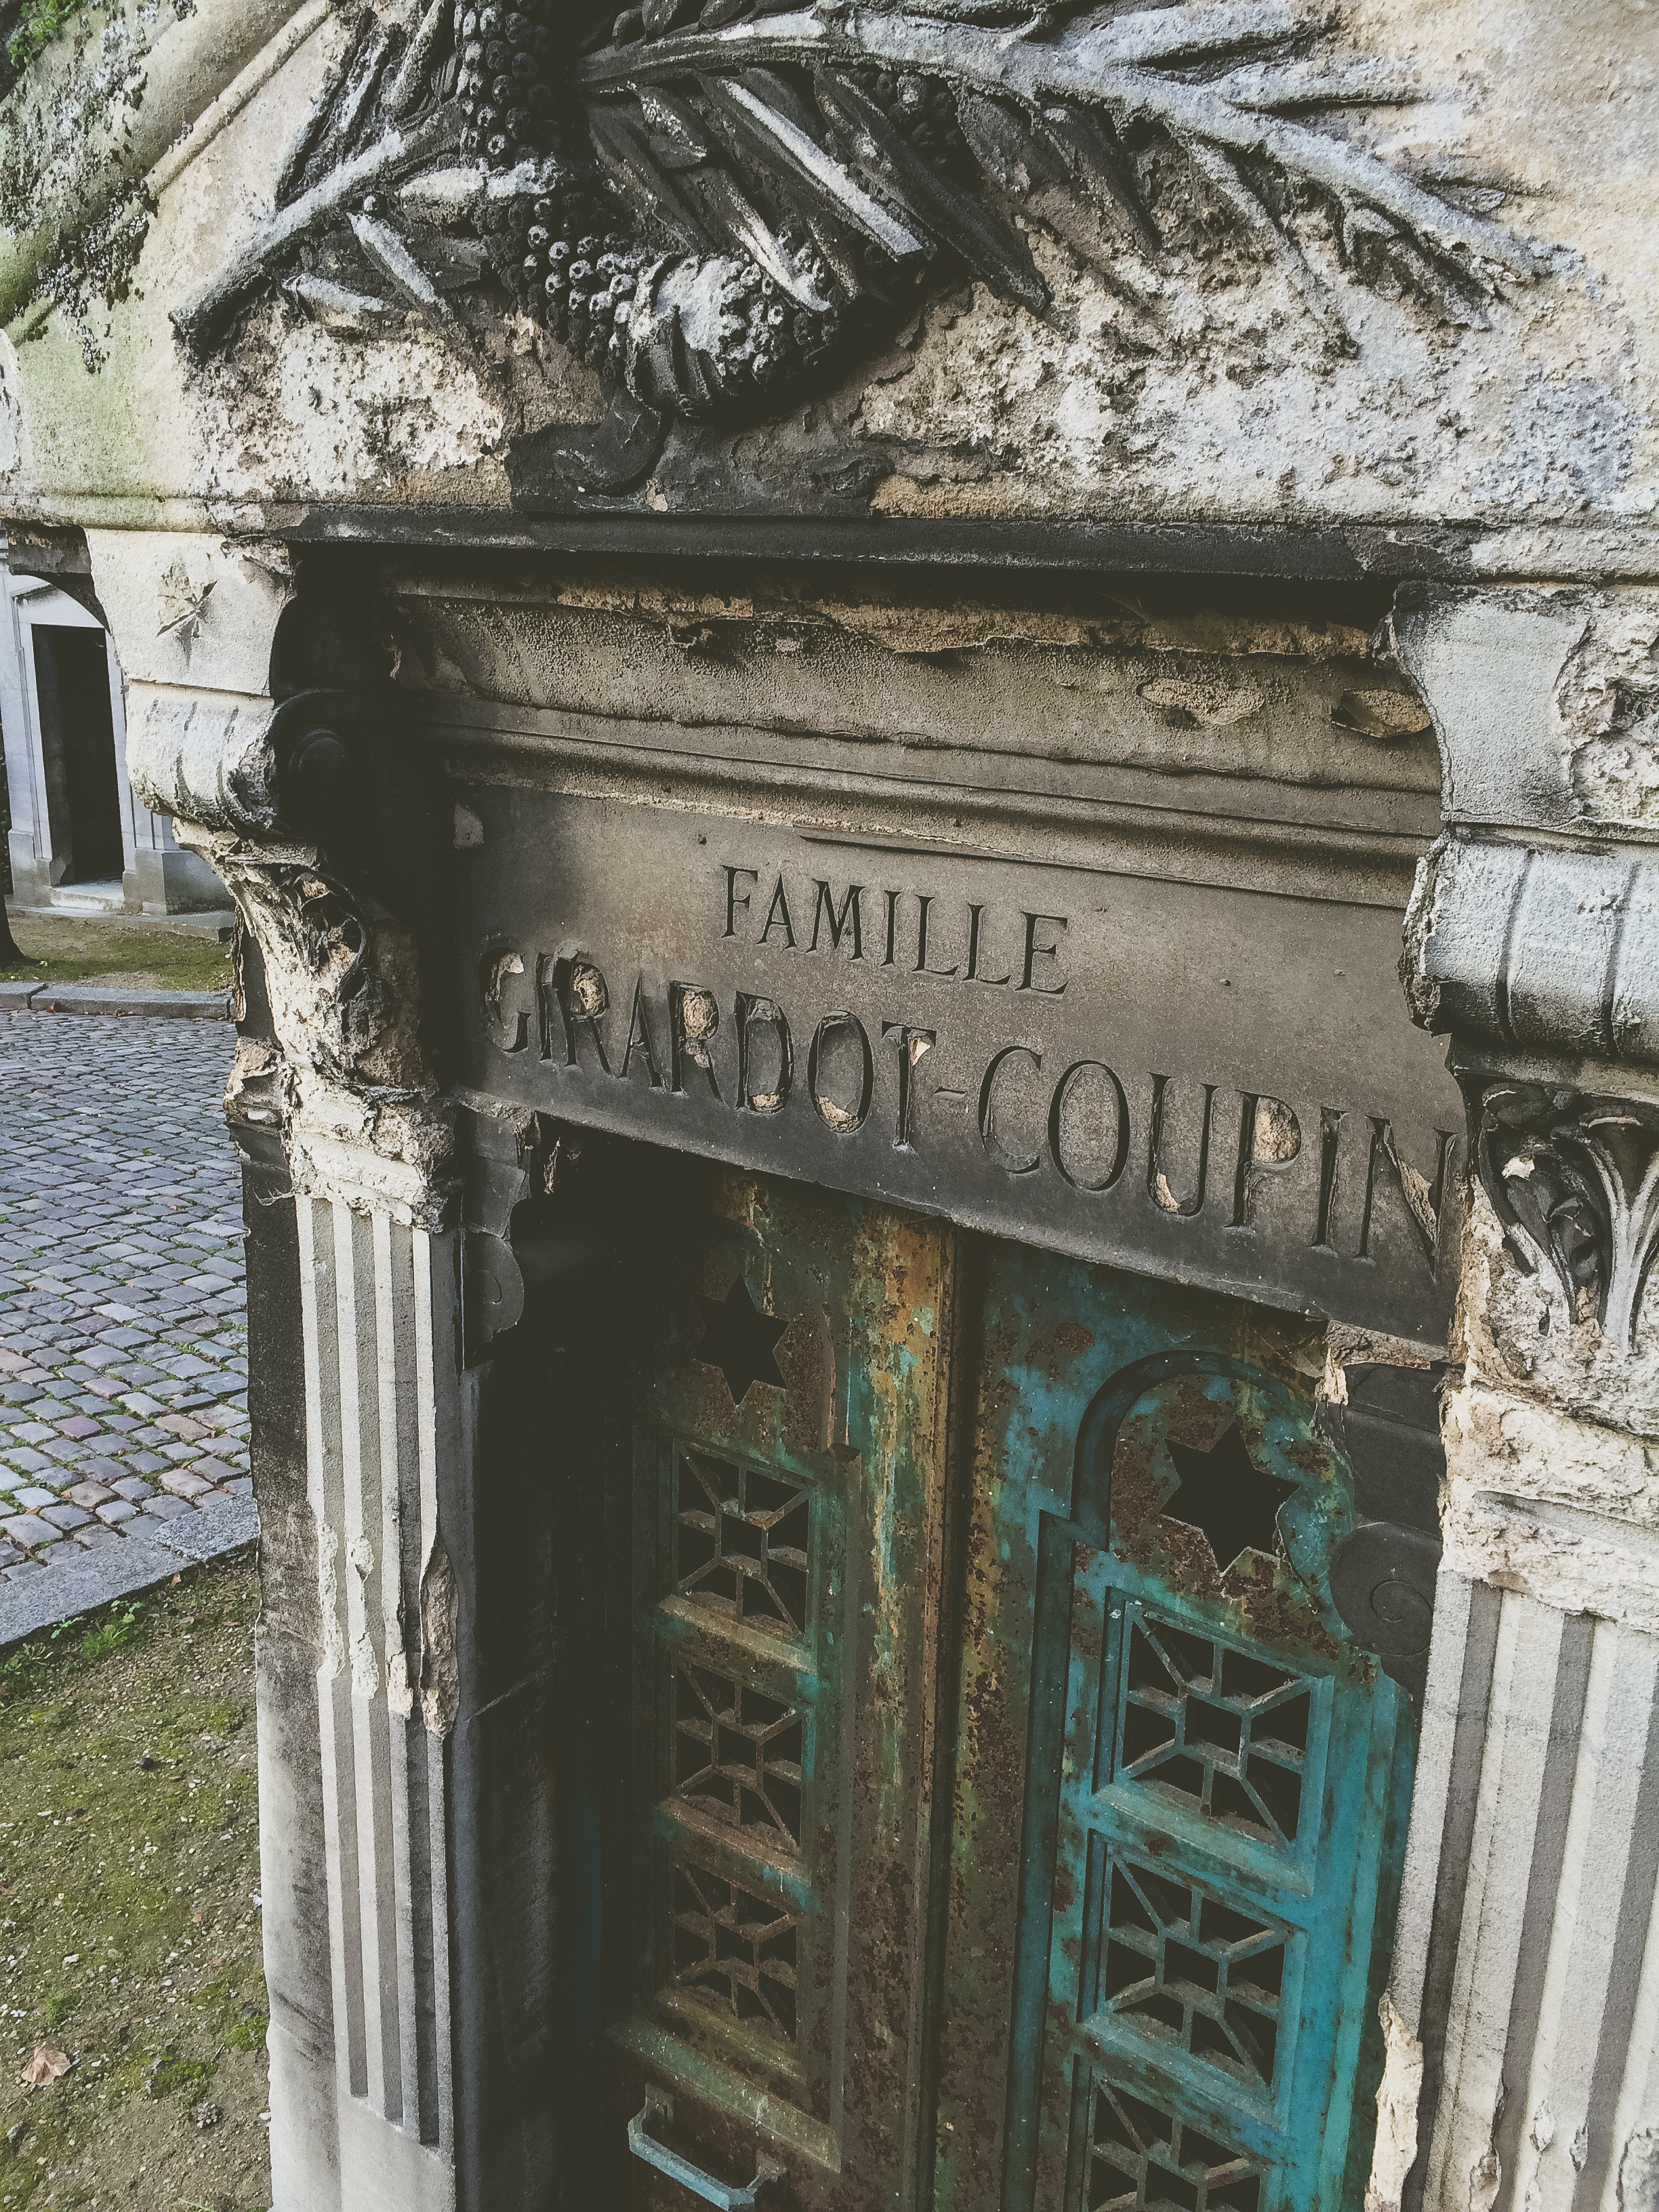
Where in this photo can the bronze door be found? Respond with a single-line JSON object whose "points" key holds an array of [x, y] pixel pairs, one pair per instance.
{"points": [[790, 1448], [1004, 1820]]}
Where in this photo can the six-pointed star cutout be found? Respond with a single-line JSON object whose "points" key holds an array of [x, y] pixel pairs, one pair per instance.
{"points": [[738, 1340], [1224, 1493]]}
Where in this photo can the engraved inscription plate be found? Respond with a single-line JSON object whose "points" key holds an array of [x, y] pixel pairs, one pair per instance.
{"points": [[1218, 1085]]}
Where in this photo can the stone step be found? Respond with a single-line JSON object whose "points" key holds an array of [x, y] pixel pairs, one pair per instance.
{"points": [[101, 999]]}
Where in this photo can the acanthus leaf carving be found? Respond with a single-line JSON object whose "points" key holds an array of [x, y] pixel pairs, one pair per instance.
{"points": [[1575, 1181], [362, 1116], [707, 212]]}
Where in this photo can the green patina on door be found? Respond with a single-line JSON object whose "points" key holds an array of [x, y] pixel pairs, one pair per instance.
{"points": [[1165, 1995], [1007, 1821], [789, 1447]]}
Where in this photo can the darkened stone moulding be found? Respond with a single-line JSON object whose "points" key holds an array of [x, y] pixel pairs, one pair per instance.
{"points": [[1382, 1575]]}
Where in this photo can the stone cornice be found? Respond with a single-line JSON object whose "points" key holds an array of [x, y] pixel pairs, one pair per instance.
{"points": [[1549, 953], [1533, 930]]}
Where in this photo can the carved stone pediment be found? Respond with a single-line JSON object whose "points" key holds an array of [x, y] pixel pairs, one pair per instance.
{"points": [[709, 208], [1341, 272]]}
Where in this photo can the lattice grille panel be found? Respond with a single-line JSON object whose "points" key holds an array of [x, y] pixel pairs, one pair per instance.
{"points": [[1214, 1725], [1137, 2159], [742, 1542], [1192, 1971], [735, 1950], [737, 1753]]}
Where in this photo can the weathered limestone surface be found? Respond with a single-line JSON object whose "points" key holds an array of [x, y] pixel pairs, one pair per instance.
{"points": [[1236, 373], [1527, 1957], [1245, 362]]}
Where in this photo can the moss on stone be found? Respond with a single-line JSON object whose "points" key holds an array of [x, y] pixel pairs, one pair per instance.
{"points": [[27, 28], [129, 1917], [66, 165]]}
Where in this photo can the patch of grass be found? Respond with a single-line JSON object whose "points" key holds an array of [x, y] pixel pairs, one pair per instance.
{"points": [[115, 1633], [237, 2004], [132, 956], [128, 1924], [170, 2072], [25, 1669]]}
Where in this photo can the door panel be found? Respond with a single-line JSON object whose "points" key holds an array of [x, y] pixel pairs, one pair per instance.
{"points": [[789, 1459], [1179, 1921], [999, 1817]]}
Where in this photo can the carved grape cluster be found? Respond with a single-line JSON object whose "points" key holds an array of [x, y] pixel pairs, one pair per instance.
{"points": [[506, 82], [924, 109], [573, 270], [589, 289], [777, 338], [567, 251], [570, 268]]}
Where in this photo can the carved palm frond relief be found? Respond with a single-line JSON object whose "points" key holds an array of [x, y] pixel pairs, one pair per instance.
{"points": [[710, 204]]}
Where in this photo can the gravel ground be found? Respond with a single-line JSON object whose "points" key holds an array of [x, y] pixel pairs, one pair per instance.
{"points": [[130, 1938]]}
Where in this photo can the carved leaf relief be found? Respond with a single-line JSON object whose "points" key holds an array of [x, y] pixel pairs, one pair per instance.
{"points": [[712, 206], [1575, 1181]]}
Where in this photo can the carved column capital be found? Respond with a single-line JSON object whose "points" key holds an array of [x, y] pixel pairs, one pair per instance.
{"points": [[1532, 940], [344, 1075], [1538, 956], [1575, 1181], [1532, 943], [343, 1071], [272, 774]]}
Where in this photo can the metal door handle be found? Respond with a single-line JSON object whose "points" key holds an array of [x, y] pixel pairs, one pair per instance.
{"points": [[645, 2145]]}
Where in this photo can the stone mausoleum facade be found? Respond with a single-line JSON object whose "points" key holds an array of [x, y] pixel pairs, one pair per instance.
{"points": [[78, 842], [937, 731]]}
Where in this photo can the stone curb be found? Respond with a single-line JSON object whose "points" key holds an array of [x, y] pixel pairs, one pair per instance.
{"points": [[65, 1589], [78, 999]]}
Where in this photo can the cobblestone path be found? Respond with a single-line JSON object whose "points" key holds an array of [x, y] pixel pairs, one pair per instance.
{"points": [[123, 1334]]}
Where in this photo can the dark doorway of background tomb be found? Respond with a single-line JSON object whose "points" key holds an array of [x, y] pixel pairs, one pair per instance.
{"points": [[77, 739], [974, 1800]]}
